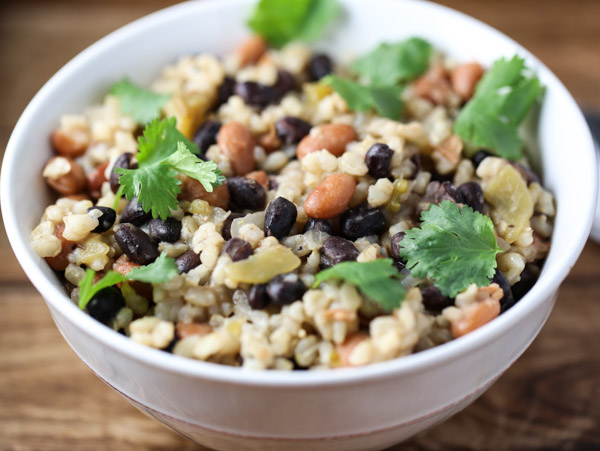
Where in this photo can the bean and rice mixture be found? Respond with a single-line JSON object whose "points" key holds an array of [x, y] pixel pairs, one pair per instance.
{"points": [[309, 184]]}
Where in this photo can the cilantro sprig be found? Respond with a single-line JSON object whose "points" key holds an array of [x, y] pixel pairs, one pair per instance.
{"points": [[390, 64], [281, 21], [454, 246], [501, 101], [140, 103], [380, 73], [163, 152], [162, 270], [385, 100], [379, 280]]}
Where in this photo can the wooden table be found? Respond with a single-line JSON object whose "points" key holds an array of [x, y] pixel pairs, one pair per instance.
{"points": [[49, 400]]}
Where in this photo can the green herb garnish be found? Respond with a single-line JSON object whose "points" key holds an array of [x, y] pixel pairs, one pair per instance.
{"points": [[384, 99], [140, 103], [454, 246], [162, 270], [379, 280], [282, 21], [381, 71], [501, 101], [390, 64], [163, 152]]}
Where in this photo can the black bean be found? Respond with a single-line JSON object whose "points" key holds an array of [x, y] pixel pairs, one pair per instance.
{"points": [[255, 94], [416, 160], [237, 249], [285, 289], [258, 297], [136, 244], [124, 161], [470, 194], [507, 300], [319, 66], [226, 231], [105, 304], [285, 83], [529, 277], [187, 261], [291, 129], [479, 156], [362, 221], [337, 250], [379, 160], [206, 135], [320, 225], [134, 214], [434, 300], [168, 230], [246, 193], [105, 221], [395, 245], [280, 217], [225, 90]]}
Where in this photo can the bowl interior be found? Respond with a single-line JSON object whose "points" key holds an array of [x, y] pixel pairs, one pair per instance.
{"points": [[141, 49]]}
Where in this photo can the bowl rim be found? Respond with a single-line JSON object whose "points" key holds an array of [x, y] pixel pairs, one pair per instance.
{"points": [[58, 300]]}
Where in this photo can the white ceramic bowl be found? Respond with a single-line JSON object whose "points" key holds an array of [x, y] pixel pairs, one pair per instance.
{"points": [[361, 408]]}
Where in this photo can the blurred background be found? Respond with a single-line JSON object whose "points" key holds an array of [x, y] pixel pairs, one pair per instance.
{"points": [[550, 399]]}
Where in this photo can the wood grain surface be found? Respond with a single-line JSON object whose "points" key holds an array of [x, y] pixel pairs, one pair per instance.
{"points": [[550, 399]]}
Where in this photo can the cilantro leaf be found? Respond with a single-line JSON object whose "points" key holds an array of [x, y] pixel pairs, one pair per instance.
{"points": [[159, 140], [389, 64], [185, 162], [384, 99], [501, 101], [280, 22], [141, 104], [379, 280], [163, 153], [454, 246], [161, 270]]}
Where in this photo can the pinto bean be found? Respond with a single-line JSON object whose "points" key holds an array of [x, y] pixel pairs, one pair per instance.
{"points": [[345, 349], [260, 177], [433, 85], [65, 176], [186, 329], [61, 261], [95, 180], [476, 315], [237, 143], [332, 137], [192, 189], [251, 49], [331, 197], [465, 77], [70, 143]]}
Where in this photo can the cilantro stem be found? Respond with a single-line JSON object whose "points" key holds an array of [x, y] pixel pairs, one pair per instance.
{"points": [[118, 196]]}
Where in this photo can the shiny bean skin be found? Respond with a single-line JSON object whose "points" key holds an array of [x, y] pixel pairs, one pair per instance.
{"points": [[134, 213], [333, 137], [237, 143], [187, 261], [331, 197], [337, 250], [280, 217], [237, 249], [363, 221], [136, 244], [168, 230]]}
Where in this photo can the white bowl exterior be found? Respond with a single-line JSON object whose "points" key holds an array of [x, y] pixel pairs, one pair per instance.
{"points": [[357, 415], [341, 403]]}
